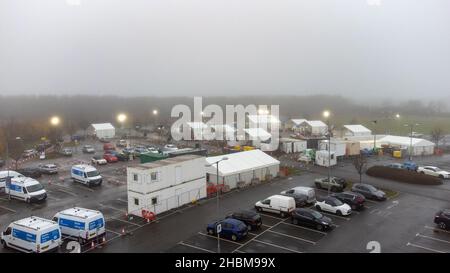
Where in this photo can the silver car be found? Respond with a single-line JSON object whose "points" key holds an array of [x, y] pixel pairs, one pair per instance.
{"points": [[48, 168]]}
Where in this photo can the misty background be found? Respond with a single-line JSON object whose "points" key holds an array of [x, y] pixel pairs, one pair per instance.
{"points": [[371, 51]]}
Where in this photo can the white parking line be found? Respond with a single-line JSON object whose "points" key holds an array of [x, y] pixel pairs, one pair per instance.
{"points": [[266, 225], [293, 237], [196, 247], [124, 221], [432, 238], [121, 200], [437, 229], [113, 208], [278, 218], [238, 251], [84, 188], [334, 215], [426, 248], [277, 246], [222, 239], [371, 201], [112, 231], [8, 209], [318, 231]]}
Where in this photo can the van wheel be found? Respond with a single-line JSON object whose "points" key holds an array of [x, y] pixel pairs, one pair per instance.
{"points": [[259, 209], [282, 214], [422, 172], [318, 186], [28, 200], [295, 222], [442, 225], [339, 213], [233, 237], [210, 232], [334, 189], [441, 176], [249, 227], [318, 208], [4, 244], [319, 227]]}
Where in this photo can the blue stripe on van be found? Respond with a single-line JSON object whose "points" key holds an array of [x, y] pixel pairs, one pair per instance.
{"points": [[15, 188], [96, 224], [23, 235], [52, 235], [78, 172], [71, 224]]}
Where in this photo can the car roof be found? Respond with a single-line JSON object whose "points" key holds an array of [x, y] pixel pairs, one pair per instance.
{"points": [[35, 223], [246, 212], [232, 221]]}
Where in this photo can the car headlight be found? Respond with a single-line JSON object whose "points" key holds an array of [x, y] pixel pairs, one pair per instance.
{"points": [[324, 223]]}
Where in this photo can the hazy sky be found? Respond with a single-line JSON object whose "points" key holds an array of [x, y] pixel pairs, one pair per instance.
{"points": [[225, 47]]}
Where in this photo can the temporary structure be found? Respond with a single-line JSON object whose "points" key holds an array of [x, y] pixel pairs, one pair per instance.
{"points": [[292, 145], [102, 130], [242, 167], [356, 130]]}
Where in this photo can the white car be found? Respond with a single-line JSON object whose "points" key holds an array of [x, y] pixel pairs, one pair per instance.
{"points": [[171, 147], [434, 171], [333, 205], [98, 160]]}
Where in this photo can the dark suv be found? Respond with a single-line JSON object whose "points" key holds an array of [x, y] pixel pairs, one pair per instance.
{"points": [[369, 192], [353, 199], [250, 218], [442, 219], [300, 199], [311, 218]]}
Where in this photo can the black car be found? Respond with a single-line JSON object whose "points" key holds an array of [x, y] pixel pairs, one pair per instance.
{"points": [[442, 219], [30, 172], [369, 192], [300, 199], [251, 219], [353, 199], [120, 156], [311, 218]]}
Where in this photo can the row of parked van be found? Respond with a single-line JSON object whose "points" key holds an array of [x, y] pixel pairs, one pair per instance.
{"points": [[35, 234]]}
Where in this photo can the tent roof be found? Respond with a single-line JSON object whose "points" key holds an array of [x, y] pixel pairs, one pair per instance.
{"points": [[258, 133], [315, 123], [241, 162], [102, 126], [196, 125], [357, 128], [298, 121], [263, 119], [403, 140]]}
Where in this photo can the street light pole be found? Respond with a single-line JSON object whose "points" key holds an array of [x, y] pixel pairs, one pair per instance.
{"points": [[326, 114], [217, 196], [411, 126]]}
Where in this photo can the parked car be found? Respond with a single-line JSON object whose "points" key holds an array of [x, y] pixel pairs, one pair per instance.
{"points": [[129, 151], [442, 219], [77, 138], [311, 218], [300, 199], [88, 149], [410, 166], [336, 183], [279, 204], [140, 150], [307, 191], [122, 143], [48, 168], [110, 158], [434, 171], [231, 228], [98, 160], [333, 205], [251, 219], [120, 156], [66, 152], [171, 147], [152, 150], [108, 147], [30, 172], [353, 199], [369, 191], [29, 153]]}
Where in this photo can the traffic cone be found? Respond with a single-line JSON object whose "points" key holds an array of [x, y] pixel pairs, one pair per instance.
{"points": [[123, 230], [92, 244], [104, 239]]}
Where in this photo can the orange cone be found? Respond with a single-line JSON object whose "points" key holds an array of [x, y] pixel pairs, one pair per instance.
{"points": [[92, 244], [104, 239], [123, 230]]}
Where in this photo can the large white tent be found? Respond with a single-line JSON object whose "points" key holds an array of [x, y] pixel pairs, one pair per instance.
{"points": [[242, 167], [356, 130], [102, 130], [420, 146]]}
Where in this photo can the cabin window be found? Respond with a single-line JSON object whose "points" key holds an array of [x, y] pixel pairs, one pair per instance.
{"points": [[154, 200], [154, 176], [136, 201], [135, 177]]}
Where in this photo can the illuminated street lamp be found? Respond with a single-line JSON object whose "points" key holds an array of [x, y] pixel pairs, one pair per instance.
{"points": [[326, 114], [55, 121], [155, 112]]}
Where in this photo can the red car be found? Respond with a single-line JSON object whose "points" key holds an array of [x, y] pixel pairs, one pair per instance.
{"points": [[108, 147], [110, 158]]}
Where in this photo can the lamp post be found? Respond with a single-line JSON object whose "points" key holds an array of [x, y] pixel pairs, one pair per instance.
{"points": [[217, 193], [121, 118], [326, 114], [411, 126]]}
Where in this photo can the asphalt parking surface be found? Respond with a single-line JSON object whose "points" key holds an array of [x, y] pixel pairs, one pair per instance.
{"points": [[401, 224]]}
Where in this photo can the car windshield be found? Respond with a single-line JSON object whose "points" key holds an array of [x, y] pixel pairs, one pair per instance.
{"points": [[337, 202], [93, 173], [371, 188], [34, 188], [437, 169], [316, 214]]}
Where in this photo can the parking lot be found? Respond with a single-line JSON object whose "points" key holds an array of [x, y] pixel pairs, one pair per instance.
{"points": [[401, 224]]}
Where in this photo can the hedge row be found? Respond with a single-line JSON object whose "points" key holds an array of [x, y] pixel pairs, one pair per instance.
{"points": [[402, 175]]}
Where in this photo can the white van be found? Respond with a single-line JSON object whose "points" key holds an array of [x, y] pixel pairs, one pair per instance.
{"points": [[81, 224], [32, 234], [5, 174], [280, 204], [309, 192], [26, 189], [86, 174]]}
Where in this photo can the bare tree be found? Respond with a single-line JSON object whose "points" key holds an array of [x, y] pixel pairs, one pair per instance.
{"points": [[437, 134], [360, 163]]}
